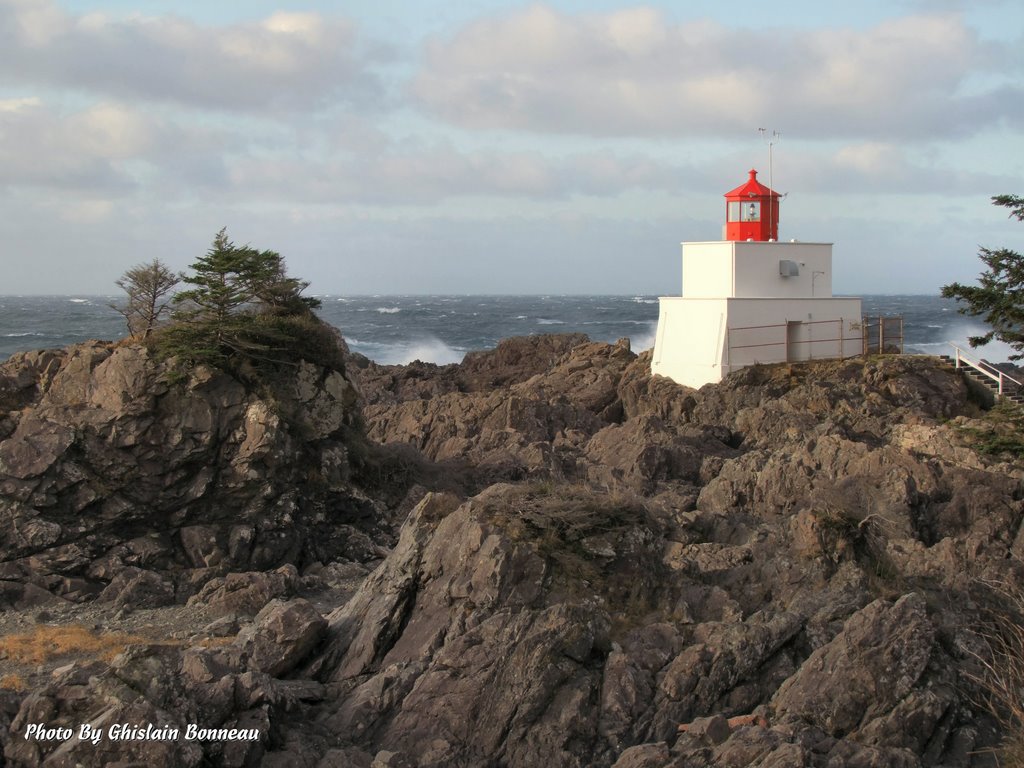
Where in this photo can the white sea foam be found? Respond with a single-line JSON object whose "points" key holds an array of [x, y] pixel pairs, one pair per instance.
{"points": [[644, 341], [545, 321], [80, 301], [994, 351], [19, 335], [389, 310], [426, 350]]}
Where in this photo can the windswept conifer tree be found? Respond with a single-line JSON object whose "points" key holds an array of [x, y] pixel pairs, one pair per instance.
{"points": [[999, 295], [147, 287], [243, 306]]}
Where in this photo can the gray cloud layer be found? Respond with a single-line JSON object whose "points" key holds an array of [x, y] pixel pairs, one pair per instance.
{"points": [[636, 72], [130, 135], [287, 61]]}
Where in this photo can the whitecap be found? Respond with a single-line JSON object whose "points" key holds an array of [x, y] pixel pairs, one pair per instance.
{"points": [[545, 321], [426, 350], [645, 341], [389, 310], [994, 352]]}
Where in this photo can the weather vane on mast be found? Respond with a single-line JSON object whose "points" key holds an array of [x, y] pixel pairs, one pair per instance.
{"points": [[773, 139]]}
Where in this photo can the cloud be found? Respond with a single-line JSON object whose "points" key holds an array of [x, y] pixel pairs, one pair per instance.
{"points": [[636, 72], [418, 172], [880, 168], [39, 148], [112, 149], [105, 150], [286, 61]]}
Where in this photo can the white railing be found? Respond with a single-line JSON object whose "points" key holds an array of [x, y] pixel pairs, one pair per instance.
{"points": [[986, 368]]}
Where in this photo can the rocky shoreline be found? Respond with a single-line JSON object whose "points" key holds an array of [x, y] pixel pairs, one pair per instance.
{"points": [[540, 556]]}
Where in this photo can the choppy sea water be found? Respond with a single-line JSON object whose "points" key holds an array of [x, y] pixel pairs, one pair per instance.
{"points": [[441, 329]]}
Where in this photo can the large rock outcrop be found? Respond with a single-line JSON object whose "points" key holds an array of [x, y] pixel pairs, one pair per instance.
{"points": [[800, 530], [110, 460], [778, 570]]}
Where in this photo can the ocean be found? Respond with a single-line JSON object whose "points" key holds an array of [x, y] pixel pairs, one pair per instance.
{"points": [[441, 329]]}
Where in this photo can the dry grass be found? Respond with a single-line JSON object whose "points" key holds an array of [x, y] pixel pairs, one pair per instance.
{"points": [[13, 682], [46, 643], [999, 672]]}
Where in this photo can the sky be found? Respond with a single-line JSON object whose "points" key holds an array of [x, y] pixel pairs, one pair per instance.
{"points": [[489, 147]]}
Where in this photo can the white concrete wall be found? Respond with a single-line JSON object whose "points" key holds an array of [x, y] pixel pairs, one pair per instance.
{"points": [[702, 340], [826, 322], [751, 270], [757, 270], [708, 270], [689, 347]]}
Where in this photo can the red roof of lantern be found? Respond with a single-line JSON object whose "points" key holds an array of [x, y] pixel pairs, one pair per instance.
{"points": [[751, 188]]}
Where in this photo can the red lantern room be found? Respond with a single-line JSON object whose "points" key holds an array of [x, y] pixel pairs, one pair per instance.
{"points": [[752, 212]]}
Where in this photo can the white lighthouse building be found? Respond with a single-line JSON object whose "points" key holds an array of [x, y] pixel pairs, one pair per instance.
{"points": [[750, 299]]}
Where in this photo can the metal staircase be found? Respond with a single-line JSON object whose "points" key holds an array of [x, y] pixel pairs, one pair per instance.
{"points": [[1000, 383]]}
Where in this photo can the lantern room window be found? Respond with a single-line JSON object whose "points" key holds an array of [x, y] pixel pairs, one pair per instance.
{"points": [[744, 211]]}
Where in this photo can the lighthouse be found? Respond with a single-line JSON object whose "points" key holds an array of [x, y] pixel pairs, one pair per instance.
{"points": [[752, 211], [749, 299]]}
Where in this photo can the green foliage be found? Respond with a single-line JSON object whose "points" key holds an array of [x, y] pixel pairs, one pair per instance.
{"points": [[229, 277], [244, 310], [220, 281], [999, 295], [146, 285], [998, 433]]}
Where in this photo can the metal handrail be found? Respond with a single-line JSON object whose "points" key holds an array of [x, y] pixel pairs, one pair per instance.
{"points": [[798, 341], [986, 368]]}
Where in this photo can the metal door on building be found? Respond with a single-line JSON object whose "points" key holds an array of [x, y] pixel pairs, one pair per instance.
{"points": [[794, 344]]}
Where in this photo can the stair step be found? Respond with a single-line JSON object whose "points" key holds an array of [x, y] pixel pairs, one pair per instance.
{"points": [[1011, 392]]}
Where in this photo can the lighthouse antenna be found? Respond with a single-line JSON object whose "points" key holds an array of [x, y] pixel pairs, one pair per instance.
{"points": [[772, 141]]}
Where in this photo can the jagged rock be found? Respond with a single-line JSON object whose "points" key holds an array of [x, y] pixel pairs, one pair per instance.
{"points": [[630, 679], [644, 756], [247, 593], [397, 666], [643, 453], [865, 671], [200, 545], [281, 636], [17, 596], [111, 453], [512, 361], [711, 730], [135, 588], [515, 360], [347, 757], [388, 759], [780, 562]]}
